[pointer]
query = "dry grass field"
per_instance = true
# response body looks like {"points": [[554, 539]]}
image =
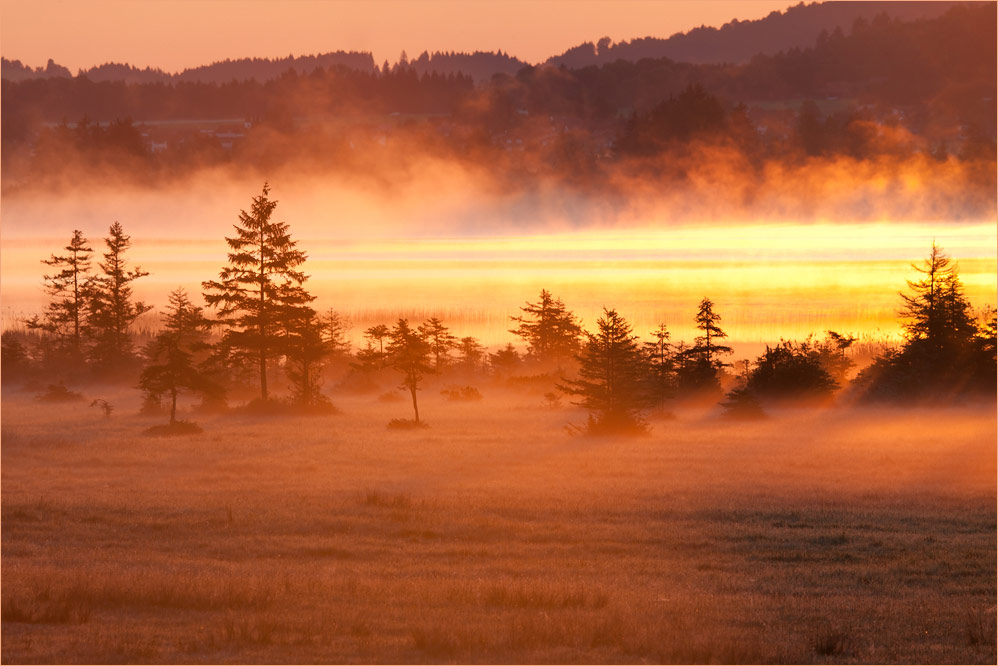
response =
{"points": [[493, 536]]}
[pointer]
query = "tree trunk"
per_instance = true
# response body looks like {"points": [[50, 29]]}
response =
{"points": [[263, 374], [415, 407], [173, 406]]}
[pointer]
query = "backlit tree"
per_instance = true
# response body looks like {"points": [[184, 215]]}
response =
{"points": [[110, 308], [172, 355], [66, 312], [409, 354], [549, 329], [260, 292], [439, 338], [612, 381]]}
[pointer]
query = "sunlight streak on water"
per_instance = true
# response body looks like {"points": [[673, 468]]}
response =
{"points": [[768, 281]]}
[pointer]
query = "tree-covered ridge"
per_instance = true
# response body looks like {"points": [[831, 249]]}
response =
{"points": [[739, 41], [891, 96]]}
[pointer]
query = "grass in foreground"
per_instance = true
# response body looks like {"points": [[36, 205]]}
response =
{"points": [[493, 537]]}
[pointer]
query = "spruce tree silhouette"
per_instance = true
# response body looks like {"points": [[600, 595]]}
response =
{"points": [[549, 329], [698, 370], [612, 382], [305, 350], [65, 313], [260, 292], [409, 353], [946, 355], [110, 309], [173, 367], [439, 338]]}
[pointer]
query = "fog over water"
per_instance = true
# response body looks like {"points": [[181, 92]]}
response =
{"points": [[474, 260]]}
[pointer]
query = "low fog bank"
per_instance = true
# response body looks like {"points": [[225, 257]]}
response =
{"points": [[819, 456], [398, 193]]}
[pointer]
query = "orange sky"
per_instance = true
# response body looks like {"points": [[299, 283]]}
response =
{"points": [[174, 34]]}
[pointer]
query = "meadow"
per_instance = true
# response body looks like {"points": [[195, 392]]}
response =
{"points": [[833, 536]]}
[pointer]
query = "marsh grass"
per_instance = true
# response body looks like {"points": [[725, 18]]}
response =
{"points": [[496, 538]]}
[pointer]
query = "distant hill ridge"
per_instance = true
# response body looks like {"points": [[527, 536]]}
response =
{"points": [[735, 42], [739, 41]]}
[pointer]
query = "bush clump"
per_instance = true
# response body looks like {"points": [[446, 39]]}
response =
{"points": [[462, 394], [175, 429], [406, 424], [58, 393]]}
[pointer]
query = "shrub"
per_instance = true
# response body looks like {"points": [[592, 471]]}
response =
{"points": [[463, 394], [58, 393], [406, 424], [175, 429], [741, 405]]}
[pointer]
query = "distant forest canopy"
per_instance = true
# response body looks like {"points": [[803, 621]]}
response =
{"points": [[735, 42], [887, 94], [739, 41], [480, 66]]}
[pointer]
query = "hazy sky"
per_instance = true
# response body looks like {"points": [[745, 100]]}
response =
{"points": [[173, 34]]}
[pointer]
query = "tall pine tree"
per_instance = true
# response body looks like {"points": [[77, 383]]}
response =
{"points": [[173, 365], [65, 315], [409, 353], [260, 292], [111, 310], [549, 329], [612, 381]]}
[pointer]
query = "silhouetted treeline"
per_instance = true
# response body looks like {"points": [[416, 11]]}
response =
{"points": [[738, 41], [242, 69], [262, 332]]}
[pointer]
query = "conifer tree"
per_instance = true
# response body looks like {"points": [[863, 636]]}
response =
{"points": [[66, 312], [612, 377], [946, 355], [172, 354], [471, 353], [111, 311], [698, 366], [409, 354], [549, 329], [378, 333], [260, 292], [305, 350], [936, 311], [505, 360], [334, 328], [439, 338], [706, 345], [661, 360]]}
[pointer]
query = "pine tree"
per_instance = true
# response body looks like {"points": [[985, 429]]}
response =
{"points": [[111, 311], [706, 345], [305, 350], [612, 372], [661, 361], [549, 329], [260, 293], [471, 354], [409, 354], [172, 354], [946, 355], [698, 366], [937, 311], [66, 312], [439, 338], [505, 360], [378, 333], [334, 335]]}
